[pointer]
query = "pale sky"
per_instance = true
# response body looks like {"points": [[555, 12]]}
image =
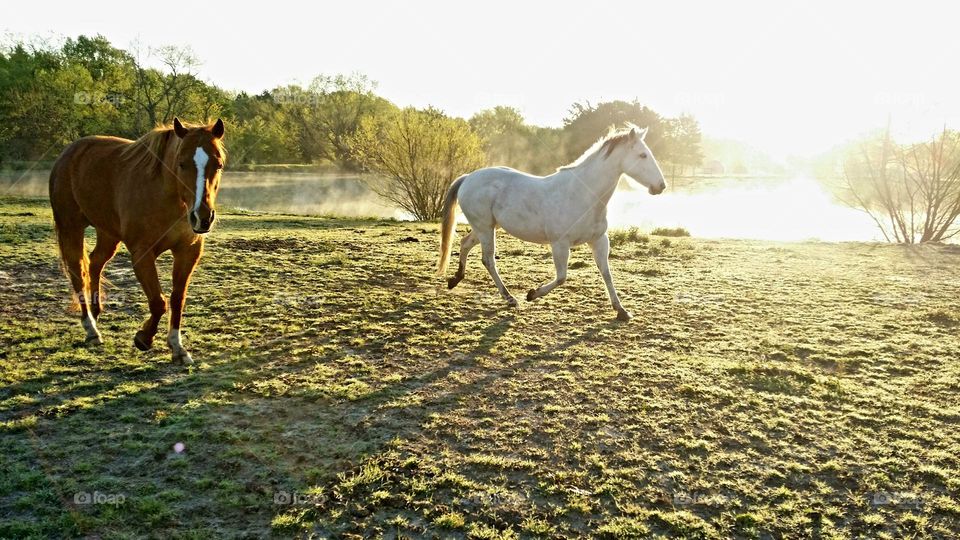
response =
{"points": [[788, 78]]}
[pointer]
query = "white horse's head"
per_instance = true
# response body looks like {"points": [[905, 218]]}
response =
{"points": [[638, 161]]}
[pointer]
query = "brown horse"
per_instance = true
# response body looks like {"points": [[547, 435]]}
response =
{"points": [[153, 194]]}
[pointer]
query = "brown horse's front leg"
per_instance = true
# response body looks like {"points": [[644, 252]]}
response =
{"points": [[145, 267], [184, 261]]}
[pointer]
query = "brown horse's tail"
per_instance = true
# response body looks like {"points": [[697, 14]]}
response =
{"points": [[446, 227], [69, 248], [84, 269]]}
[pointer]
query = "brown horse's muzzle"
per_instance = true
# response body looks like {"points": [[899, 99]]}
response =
{"points": [[202, 224]]}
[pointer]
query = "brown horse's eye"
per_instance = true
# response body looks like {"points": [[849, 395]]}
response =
{"points": [[219, 166]]}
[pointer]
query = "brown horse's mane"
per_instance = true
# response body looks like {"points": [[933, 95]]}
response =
{"points": [[147, 152]]}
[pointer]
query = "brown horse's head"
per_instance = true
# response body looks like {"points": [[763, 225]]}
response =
{"points": [[200, 159]]}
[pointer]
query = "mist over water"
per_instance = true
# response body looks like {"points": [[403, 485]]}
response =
{"points": [[748, 208], [31, 183], [763, 209], [304, 193], [308, 193]]}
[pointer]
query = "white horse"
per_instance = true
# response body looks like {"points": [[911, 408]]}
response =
{"points": [[564, 209]]}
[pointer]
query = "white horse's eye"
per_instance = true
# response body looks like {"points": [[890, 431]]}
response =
{"points": [[643, 155]]}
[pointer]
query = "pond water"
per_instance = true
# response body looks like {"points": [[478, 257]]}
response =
{"points": [[756, 208], [793, 209], [283, 192]]}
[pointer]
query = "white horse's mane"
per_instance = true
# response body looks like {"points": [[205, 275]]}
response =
{"points": [[614, 135]]}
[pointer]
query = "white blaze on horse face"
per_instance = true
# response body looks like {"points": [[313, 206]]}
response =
{"points": [[200, 158]]}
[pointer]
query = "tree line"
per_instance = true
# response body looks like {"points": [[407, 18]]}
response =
{"points": [[51, 94]]}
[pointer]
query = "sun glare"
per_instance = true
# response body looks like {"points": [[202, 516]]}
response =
{"points": [[794, 210]]}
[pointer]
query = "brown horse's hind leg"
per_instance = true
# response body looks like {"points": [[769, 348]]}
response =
{"points": [[145, 267], [184, 261], [74, 257], [105, 249]]}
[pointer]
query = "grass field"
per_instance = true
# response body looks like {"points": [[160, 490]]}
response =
{"points": [[762, 390]]}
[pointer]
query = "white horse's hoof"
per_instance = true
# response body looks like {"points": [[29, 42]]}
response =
{"points": [[623, 315], [512, 302], [183, 357]]}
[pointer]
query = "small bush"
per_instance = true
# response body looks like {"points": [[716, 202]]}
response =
{"points": [[666, 231], [632, 235]]}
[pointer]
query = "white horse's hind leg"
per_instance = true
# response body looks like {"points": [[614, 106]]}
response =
{"points": [[466, 245], [488, 243], [601, 253], [561, 254]]}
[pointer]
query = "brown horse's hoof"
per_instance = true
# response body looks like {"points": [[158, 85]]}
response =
{"points": [[531, 295], [143, 341], [623, 315], [93, 341]]}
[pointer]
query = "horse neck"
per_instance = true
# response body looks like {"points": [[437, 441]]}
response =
{"points": [[169, 164], [598, 176]]}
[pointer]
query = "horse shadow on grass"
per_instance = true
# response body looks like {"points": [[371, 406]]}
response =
{"points": [[245, 445]]}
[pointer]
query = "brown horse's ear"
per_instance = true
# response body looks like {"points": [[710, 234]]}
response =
{"points": [[218, 129], [178, 128]]}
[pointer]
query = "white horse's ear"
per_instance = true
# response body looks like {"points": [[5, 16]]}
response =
{"points": [[641, 132]]}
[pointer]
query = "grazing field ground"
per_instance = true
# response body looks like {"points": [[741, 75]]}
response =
{"points": [[762, 390]]}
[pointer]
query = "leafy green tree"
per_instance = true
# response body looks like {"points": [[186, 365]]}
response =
{"points": [[260, 133], [675, 141], [586, 123], [328, 113], [51, 95], [548, 150], [416, 154], [509, 140], [30, 117], [111, 78], [504, 133], [159, 95], [681, 147]]}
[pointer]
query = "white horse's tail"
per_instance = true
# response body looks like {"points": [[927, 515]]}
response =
{"points": [[446, 227]]}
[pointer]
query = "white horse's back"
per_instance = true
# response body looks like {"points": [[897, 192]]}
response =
{"points": [[508, 198]]}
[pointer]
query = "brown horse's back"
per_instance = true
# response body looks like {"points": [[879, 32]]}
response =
{"points": [[81, 183]]}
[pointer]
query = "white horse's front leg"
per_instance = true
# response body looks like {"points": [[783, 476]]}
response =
{"points": [[561, 254], [601, 254]]}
